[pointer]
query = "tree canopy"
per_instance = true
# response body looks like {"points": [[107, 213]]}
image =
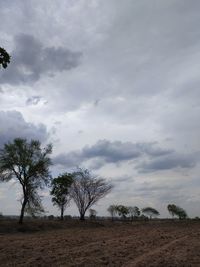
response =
{"points": [[29, 164], [122, 211], [60, 191], [4, 58], [149, 211]]}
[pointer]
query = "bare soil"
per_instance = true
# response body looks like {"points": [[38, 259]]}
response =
{"points": [[149, 244]]}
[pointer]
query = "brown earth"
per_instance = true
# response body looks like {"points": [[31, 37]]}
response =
{"points": [[166, 244]]}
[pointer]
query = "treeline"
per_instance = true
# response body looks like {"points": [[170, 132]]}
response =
{"points": [[134, 213], [28, 163]]}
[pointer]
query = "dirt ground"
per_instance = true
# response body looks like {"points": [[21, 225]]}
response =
{"points": [[166, 244]]}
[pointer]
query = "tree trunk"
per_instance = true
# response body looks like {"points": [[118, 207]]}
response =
{"points": [[62, 213], [82, 217], [21, 218]]}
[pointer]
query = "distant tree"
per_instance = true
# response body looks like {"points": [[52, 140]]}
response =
{"points": [[112, 209], [172, 209], [87, 189], [134, 212], [4, 58], [60, 191], [122, 211], [29, 164], [150, 212], [92, 214], [177, 211]]}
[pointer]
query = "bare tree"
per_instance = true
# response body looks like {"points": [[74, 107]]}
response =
{"points": [[87, 189]]}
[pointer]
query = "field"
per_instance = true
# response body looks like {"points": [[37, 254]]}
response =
{"points": [[101, 244]]}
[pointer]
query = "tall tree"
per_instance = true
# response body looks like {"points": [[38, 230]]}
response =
{"points": [[150, 212], [29, 164], [60, 191], [87, 189], [4, 58]]}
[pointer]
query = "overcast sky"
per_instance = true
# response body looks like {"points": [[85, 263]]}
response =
{"points": [[115, 86]]}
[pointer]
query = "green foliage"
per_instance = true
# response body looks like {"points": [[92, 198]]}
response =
{"points": [[60, 191], [4, 58], [177, 211], [29, 164], [149, 211], [122, 211]]}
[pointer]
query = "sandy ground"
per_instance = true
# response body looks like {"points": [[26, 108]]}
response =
{"points": [[145, 244]]}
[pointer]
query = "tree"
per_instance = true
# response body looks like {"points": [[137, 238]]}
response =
{"points": [[87, 189], [122, 211], [93, 214], [29, 164], [60, 191], [112, 209], [177, 211], [134, 212], [4, 58], [150, 212], [172, 209]]}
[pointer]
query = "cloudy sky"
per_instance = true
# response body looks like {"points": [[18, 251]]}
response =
{"points": [[115, 86]]}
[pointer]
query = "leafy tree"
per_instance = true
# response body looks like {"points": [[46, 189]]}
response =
{"points": [[29, 164], [172, 209], [150, 212], [122, 211], [87, 189], [112, 209], [60, 191], [134, 212], [177, 211], [4, 58]]}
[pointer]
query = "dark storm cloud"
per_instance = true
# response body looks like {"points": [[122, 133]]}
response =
{"points": [[30, 60], [13, 125], [168, 162], [105, 151]]}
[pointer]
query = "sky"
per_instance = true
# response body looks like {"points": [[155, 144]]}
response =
{"points": [[115, 87]]}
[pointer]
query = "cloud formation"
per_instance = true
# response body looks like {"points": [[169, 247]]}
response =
{"points": [[168, 162], [31, 59], [13, 126], [105, 151]]}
